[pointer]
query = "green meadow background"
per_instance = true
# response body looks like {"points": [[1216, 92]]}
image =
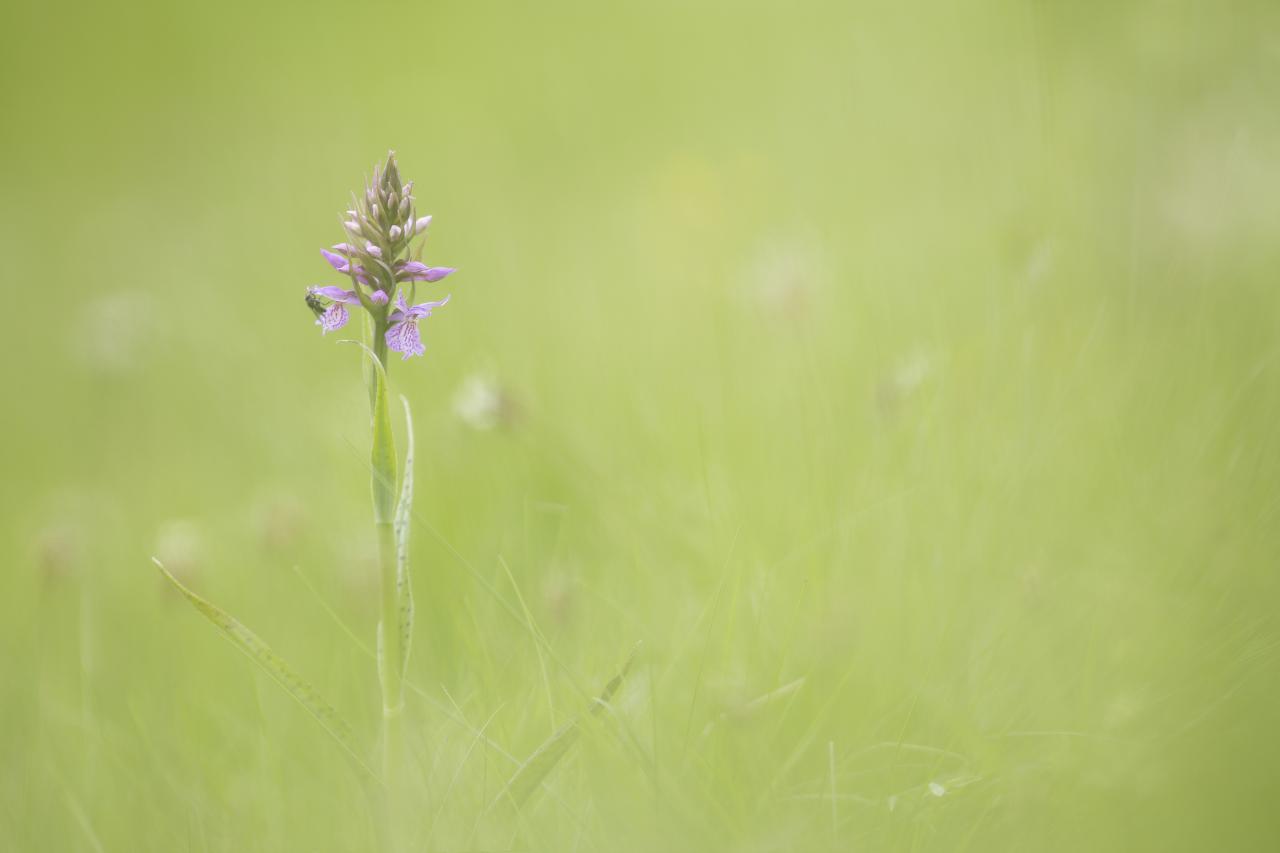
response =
{"points": [[903, 377]]}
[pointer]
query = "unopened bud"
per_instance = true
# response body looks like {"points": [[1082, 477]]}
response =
{"points": [[391, 174]]}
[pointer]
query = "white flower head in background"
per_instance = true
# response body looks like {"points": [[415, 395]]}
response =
{"points": [[904, 380], [180, 546], [114, 331], [785, 276], [483, 404]]}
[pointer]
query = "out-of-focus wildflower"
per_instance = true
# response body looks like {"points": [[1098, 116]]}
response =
{"points": [[114, 330], [785, 277], [280, 519], [59, 550], [482, 404], [378, 259], [180, 547], [904, 381]]}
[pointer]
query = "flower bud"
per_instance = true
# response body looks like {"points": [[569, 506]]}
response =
{"points": [[391, 174]]}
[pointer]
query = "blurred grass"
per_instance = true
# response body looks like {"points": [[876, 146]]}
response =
{"points": [[927, 353]]}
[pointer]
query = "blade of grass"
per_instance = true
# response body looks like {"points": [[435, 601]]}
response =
{"points": [[454, 715], [273, 665], [537, 646], [544, 759]]}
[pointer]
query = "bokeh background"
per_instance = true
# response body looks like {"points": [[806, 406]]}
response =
{"points": [[903, 376]]}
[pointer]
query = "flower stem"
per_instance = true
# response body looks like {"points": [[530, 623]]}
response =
{"points": [[390, 651], [379, 342], [389, 660]]}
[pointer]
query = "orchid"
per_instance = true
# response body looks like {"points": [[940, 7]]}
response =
{"points": [[378, 257], [382, 267]]}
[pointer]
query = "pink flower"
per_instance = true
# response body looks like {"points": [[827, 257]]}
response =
{"points": [[402, 336]]}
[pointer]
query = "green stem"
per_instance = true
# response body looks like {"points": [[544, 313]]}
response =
{"points": [[380, 350], [389, 661], [390, 652], [389, 637]]}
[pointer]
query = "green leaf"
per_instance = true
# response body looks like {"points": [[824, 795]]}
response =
{"points": [[404, 516], [273, 665], [383, 455], [383, 465], [529, 776], [534, 770]]}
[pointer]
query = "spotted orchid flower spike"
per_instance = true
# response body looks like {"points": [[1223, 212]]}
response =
{"points": [[380, 262]]}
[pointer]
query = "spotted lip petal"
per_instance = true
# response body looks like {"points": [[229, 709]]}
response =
{"points": [[403, 335], [334, 318], [403, 338]]}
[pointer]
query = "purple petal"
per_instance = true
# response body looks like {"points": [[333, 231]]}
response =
{"points": [[373, 250], [337, 294], [334, 318], [395, 232], [424, 309], [335, 260], [401, 310], [378, 297], [418, 271], [403, 338], [421, 224]]}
